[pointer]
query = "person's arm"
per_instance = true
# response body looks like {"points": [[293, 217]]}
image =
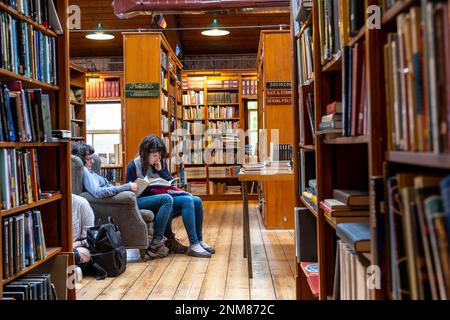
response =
{"points": [[164, 173], [91, 184], [131, 175]]}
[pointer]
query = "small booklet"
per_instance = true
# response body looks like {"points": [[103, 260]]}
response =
{"points": [[143, 184]]}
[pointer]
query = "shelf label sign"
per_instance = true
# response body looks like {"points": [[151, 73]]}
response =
{"points": [[141, 93], [278, 92], [142, 86], [142, 89]]}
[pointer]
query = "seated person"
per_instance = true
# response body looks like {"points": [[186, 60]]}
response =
{"points": [[82, 219], [100, 187], [94, 183], [151, 163]]}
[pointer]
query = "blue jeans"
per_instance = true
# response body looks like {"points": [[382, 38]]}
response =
{"points": [[161, 205], [191, 210]]}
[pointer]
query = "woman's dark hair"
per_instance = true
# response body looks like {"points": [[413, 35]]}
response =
{"points": [[82, 150], [151, 144]]}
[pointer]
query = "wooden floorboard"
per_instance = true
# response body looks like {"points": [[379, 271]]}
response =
{"points": [[192, 281], [285, 239], [282, 275], [216, 274], [261, 286], [223, 276], [237, 284]]}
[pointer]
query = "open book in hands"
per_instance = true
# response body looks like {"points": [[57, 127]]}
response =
{"points": [[145, 183]]}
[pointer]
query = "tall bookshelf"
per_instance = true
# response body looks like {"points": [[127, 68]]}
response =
{"points": [[149, 60], [362, 161], [213, 100], [103, 88], [54, 164], [275, 67], [78, 102]]}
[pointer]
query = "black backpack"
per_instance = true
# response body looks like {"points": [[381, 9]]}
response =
{"points": [[108, 252]]}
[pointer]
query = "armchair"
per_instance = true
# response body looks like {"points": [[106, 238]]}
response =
{"points": [[135, 225]]}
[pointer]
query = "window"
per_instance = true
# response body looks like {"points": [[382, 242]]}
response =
{"points": [[252, 116], [103, 124]]}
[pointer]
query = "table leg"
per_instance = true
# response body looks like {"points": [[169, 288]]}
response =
{"points": [[246, 222], [244, 225]]}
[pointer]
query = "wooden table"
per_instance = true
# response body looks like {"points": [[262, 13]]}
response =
{"points": [[263, 175]]}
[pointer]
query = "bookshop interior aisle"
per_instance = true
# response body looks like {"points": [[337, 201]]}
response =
{"points": [[330, 117], [224, 276]]}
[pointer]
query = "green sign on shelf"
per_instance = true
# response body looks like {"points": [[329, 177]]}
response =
{"points": [[141, 93], [142, 86]]}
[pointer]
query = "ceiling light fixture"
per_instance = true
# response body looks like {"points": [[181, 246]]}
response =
{"points": [[99, 34], [215, 29]]}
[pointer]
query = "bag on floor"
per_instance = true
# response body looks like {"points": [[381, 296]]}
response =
{"points": [[108, 252]]}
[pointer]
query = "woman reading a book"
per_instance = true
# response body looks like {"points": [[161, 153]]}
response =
{"points": [[151, 164], [100, 187]]}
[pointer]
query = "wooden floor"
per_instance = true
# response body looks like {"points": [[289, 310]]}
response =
{"points": [[224, 276]]}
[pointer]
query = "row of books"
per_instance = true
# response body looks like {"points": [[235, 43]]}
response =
{"points": [[338, 20], [196, 112], [195, 172], [75, 129], [112, 174], [192, 97], [223, 126], [38, 10], [164, 60], [192, 83], [305, 62], [19, 182], [222, 97], [164, 80], [23, 242], [417, 73], [25, 114], [280, 152], [250, 87], [197, 128], [418, 209], [164, 124], [223, 172], [193, 157], [102, 88], [350, 282], [223, 112], [218, 156], [354, 95], [222, 84], [164, 103], [198, 188], [27, 51], [31, 287]]}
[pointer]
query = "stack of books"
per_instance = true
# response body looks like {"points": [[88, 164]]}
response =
{"points": [[310, 193], [333, 118], [253, 167], [346, 205]]}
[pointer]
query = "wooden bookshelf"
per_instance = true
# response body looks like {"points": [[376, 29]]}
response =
{"points": [[53, 157], [335, 154], [143, 55], [225, 75], [78, 106], [351, 162], [275, 65], [25, 207]]}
